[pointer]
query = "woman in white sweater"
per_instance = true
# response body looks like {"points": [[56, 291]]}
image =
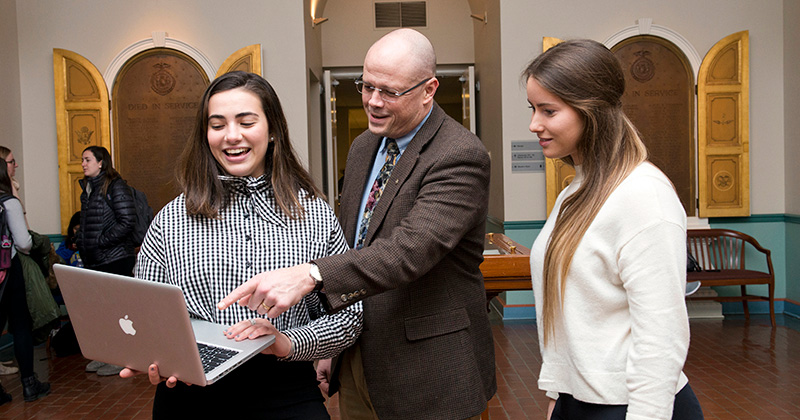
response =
{"points": [[608, 267]]}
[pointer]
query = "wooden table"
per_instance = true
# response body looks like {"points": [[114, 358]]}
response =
{"points": [[506, 265]]}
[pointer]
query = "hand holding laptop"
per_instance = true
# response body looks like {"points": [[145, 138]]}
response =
{"points": [[246, 330], [152, 374]]}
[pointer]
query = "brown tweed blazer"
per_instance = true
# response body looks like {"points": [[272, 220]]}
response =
{"points": [[427, 345]]}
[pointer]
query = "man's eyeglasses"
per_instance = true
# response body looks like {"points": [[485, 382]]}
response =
{"points": [[11, 162], [387, 95]]}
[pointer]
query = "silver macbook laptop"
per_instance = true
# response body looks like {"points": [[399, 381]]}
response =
{"points": [[134, 323]]}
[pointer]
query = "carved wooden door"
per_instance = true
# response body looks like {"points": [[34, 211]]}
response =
{"points": [[82, 120], [723, 125]]}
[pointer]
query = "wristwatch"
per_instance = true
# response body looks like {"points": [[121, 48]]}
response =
{"points": [[314, 273]]}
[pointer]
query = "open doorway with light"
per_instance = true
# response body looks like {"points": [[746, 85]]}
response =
{"points": [[345, 118]]}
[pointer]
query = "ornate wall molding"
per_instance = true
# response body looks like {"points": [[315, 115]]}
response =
{"points": [[158, 40], [645, 26]]}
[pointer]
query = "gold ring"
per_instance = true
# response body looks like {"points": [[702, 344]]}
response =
{"points": [[265, 306]]}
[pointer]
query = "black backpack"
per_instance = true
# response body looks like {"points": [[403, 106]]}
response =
{"points": [[144, 215], [64, 343]]}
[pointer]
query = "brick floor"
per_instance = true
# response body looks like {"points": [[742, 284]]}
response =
{"points": [[739, 370]]}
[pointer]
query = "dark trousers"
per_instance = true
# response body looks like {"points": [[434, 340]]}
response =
{"points": [[568, 408], [262, 388], [14, 307], [122, 266]]}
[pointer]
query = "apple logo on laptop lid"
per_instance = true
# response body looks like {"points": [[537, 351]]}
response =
{"points": [[127, 325]]}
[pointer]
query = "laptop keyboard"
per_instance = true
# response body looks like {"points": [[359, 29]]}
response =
{"points": [[212, 356]]}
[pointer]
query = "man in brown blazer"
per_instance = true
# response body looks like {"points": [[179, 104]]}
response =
{"points": [[426, 351]]}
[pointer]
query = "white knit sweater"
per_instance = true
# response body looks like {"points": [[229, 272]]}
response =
{"points": [[623, 333]]}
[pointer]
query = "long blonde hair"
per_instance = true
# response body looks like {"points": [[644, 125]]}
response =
{"points": [[588, 77]]}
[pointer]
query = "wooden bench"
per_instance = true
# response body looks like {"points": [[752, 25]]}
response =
{"points": [[721, 255]]}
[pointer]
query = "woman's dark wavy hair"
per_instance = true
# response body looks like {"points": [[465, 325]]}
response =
{"points": [[73, 221], [5, 181], [198, 171], [101, 154]]}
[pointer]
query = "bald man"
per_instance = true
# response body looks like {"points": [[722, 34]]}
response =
{"points": [[414, 206]]}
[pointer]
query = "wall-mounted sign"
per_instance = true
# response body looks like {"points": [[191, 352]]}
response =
{"points": [[526, 156]]}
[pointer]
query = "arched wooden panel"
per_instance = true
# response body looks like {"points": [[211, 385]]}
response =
{"points": [[246, 59], [82, 120], [723, 124]]}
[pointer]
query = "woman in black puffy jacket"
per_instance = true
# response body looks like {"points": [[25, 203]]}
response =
{"points": [[108, 215]]}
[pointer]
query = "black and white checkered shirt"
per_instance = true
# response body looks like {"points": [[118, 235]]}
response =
{"points": [[208, 258]]}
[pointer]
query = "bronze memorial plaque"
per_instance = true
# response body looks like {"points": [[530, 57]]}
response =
{"points": [[155, 101], [659, 99]]}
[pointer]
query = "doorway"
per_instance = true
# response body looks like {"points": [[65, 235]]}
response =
{"points": [[346, 118]]}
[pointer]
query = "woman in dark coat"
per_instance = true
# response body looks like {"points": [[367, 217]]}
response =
{"points": [[108, 216]]}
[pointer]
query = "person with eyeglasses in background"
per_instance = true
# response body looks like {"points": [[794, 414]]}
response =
{"points": [[11, 168], [12, 165], [13, 295], [8, 156], [413, 207]]}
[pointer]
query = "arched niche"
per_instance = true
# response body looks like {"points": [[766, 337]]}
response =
{"points": [[158, 40], [154, 88], [645, 26]]}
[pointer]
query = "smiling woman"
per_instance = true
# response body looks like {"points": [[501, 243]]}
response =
{"points": [[608, 265], [247, 206], [238, 132], [245, 134], [558, 125]]}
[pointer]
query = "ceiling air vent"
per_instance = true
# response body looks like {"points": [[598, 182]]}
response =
{"points": [[400, 14]]}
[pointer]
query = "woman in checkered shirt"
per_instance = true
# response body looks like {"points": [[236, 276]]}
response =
{"points": [[247, 206]]}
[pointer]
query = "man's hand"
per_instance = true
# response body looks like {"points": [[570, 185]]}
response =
{"points": [[272, 292], [324, 375]]}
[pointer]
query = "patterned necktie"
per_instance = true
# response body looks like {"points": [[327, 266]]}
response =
{"points": [[392, 152]]}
